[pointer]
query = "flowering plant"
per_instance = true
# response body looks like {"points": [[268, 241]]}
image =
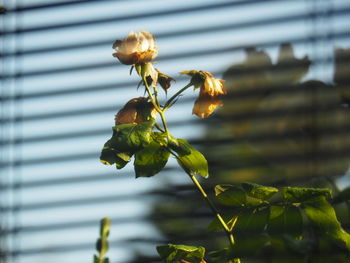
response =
{"points": [[266, 211]]}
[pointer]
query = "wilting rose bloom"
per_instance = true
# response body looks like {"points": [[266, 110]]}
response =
{"points": [[136, 48], [205, 105], [212, 86], [135, 111], [210, 89]]}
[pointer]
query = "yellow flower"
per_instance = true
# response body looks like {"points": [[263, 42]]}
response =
{"points": [[135, 111], [205, 105], [210, 89], [212, 86], [136, 48]]}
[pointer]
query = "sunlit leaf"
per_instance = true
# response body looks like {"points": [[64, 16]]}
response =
{"points": [[322, 215], [301, 194], [179, 146], [160, 138], [150, 160], [111, 156], [180, 253], [192, 163], [125, 141], [135, 136], [230, 195], [259, 191]]}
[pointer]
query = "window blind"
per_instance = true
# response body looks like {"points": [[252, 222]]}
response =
{"points": [[61, 88]]}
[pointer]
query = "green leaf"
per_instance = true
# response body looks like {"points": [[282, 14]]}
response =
{"points": [[105, 224], [253, 202], [106, 260], [193, 163], [251, 222], [230, 195], [160, 138], [342, 196], [126, 139], [259, 191], [285, 220], [178, 253], [110, 156], [235, 196], [179, 146], [301, 194], [96, 260], [150, 160], [322, 215], [129, 137]]}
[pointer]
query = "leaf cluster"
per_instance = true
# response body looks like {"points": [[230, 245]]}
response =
{"points": [[285, 220], [181, 254], [151, 150]]}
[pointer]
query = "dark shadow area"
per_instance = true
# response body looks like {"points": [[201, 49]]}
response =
{"points": [[277, 127]]}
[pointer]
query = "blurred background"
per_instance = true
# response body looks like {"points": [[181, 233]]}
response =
{"points": [[285, 120]]}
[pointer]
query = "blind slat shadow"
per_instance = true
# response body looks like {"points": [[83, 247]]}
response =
{"points": [[186, 32]]}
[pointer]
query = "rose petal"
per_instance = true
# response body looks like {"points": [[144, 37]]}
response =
{"points": [[205, 105]]}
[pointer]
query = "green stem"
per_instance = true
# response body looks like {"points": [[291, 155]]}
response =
{"points": [[158, 127], [156, 96], [155, 104], [213, 209], [150, 95], [168, 103], [166, 129]]}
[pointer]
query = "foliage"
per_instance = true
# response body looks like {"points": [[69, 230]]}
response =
{"points": [[255, 218], [278, 215], [180, 253]]}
